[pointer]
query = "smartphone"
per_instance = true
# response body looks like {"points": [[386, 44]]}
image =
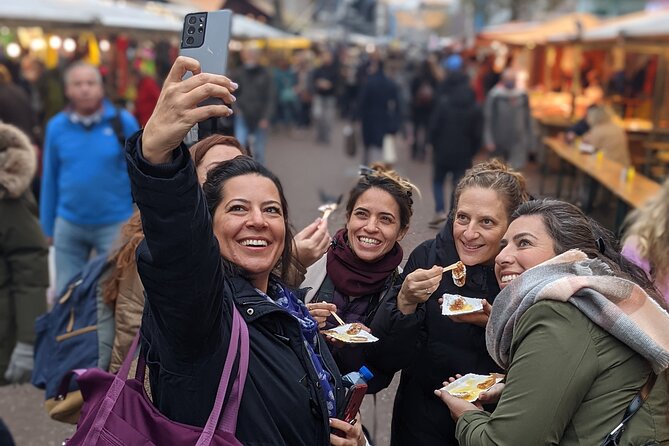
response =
{"points": [[354, 398], [205, 37]]}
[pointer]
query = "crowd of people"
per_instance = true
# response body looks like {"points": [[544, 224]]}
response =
{"points": [[575, 322]]}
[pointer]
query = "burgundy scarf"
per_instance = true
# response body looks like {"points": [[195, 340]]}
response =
{"points": [[354, 277]]}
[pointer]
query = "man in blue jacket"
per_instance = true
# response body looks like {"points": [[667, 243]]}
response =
{"points": [[85, 195]]}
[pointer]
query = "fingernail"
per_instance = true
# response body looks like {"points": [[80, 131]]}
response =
{"points": [[437, 392], [234, 99], [317, 220], [235, 85], [330, 420]]}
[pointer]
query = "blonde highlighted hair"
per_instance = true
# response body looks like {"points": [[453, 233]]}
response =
{"points": [[649, 225], [498, 176]]}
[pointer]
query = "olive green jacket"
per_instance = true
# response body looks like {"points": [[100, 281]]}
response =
{"points": [[569, 383]]}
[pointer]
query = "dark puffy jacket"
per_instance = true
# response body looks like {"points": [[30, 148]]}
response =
{"points": [[187, 319], [456, 126], [429, 347], [362, 309]]}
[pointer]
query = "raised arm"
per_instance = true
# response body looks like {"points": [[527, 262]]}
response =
{"points": [[179, 261]]}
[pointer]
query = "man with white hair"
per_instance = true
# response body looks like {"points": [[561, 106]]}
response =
{"points": [[85, 194]]}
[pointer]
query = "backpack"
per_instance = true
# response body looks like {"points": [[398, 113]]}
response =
{"points": [[67, 336], [424, 95]]}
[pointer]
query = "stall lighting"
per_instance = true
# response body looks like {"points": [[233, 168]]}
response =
{"points": [[370, 48], [69, 45], [235, 45], [13, 50], [55, 42], [38, 44], [105, 45]]}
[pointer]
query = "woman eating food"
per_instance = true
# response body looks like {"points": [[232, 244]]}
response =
{"points": [[580, 333]]}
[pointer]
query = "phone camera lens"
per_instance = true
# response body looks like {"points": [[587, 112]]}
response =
{"points": [[191, 30], [192, 20], [200, 30], [190, 40]]}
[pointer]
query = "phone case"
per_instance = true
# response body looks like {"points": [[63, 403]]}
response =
{"points": [[213, 52], [354, 400]]}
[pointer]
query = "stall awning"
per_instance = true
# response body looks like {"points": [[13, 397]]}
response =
{"points": [[119, 15], [537, 33]]}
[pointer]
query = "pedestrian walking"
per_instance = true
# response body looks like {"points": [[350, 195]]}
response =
{"points": [[424, 88], [85, 195], [24, 275], [508, 122], [324, 109], [455, 133], [255, 103], [379, 111]]}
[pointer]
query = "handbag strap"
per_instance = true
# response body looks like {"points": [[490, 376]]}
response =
{"points": [[614, 436], [239, 330]]}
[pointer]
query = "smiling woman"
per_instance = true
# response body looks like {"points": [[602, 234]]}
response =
{"points": [[209, 254], [579, 330], [361, 266], [414, 336]]}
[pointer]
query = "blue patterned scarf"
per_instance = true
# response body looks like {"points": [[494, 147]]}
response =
{"points": [[287, 300]]}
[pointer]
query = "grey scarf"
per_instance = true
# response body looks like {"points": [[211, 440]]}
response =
{"points": [[617, 305]]}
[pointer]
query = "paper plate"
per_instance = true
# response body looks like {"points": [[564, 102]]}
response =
{"points": [[470, 305], [470, 386], [341, 333]]}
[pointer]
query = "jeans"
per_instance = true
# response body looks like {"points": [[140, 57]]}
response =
{"points": [[74, 244], [325, 112], [259, 138], [438, 188]]}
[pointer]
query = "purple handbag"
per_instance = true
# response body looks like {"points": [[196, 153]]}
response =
{"points": [[117, 411]]}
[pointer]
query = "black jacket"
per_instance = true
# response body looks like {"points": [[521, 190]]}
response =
{"points": [[456, 126], [429, 347], [187, 319], [351, 357]]}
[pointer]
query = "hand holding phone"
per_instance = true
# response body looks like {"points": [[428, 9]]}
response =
{"points": [[177, 108]]}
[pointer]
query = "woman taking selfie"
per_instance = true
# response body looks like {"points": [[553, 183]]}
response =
{"points": [[414, 336], [578, 333], [361, 265], [205, 252]]}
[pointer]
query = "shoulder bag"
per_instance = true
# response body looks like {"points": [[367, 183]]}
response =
{"points": [[117, 411], [613, 438]]}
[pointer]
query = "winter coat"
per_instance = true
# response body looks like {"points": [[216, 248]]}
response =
{"points": [[15, 109], [24, 275], [569, 383], [361, 309], [128, 309], [188, 316], [456, 129], [256, 99], [508, 124], [428, 347], [379, 114]]}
